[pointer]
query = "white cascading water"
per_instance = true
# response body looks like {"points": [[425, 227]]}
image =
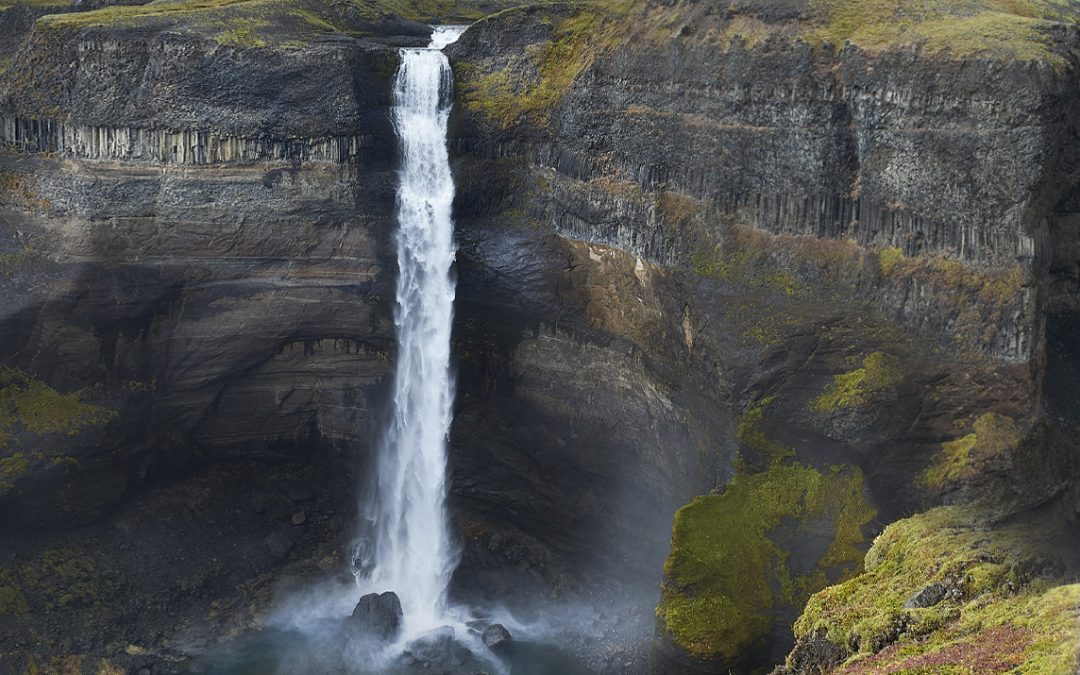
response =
{"points": [[413, 554]]}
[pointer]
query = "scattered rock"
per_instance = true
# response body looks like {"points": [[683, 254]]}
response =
{"points": [[812, 654], [376, 617], [496, 637], [279, 543], [299, 518], [439, 648], [258, 504], [297, 491], [927, 597]]}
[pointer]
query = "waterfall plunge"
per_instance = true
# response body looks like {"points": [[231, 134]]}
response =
{"points": [[413, 555]]}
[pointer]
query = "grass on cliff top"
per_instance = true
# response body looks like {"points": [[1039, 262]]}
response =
{"points": [[260, 23], [725, 574], [8, 4], [533, 83], [1005, 612], [960, 28]]}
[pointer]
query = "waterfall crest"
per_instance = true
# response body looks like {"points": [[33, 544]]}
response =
{"points": [[413, 554]]}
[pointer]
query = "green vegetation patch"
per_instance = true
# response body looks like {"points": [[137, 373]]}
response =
{"points": [[752, 434], [12, 602], [1005, 29], [879, 372], [41, 409], [725, 573], [995, 614], [66, 578], [963, 459], [261, 23], [37, 408], [889, 257], [531, 84]]}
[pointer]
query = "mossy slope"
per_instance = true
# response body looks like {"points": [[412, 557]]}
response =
{"points": [[726, 572], [1005, 603], [280, 23]]}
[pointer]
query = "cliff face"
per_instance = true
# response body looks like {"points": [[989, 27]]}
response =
{"points": [[701, 249], [869, 242], [945, 159]]}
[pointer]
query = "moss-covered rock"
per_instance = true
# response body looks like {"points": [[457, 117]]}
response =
{"points": [[726, 572], [39, 409], [963, 460], [855, 388], [1005, 605], [29, 411]]}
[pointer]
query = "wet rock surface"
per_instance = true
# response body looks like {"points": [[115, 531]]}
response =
{"points": [[496, 637], [376, 617]]}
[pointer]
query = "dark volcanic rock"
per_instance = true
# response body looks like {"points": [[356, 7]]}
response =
{"points": [[376, 617], [440, 650], [927, 597], [279, 544], [496, 637]]}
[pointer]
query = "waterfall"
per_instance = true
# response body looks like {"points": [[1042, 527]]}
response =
{"points": [[413, 554]]}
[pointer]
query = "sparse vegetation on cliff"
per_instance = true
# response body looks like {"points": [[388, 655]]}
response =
{"points": [[962, 459], [40, 409], [879, 371], [33, 406], [533, 83]]}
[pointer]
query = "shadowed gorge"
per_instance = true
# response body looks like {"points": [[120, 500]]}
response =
{"points": [[758, 352]]}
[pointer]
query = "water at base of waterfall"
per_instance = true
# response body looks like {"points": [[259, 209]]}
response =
{"points": [[287, 652]]}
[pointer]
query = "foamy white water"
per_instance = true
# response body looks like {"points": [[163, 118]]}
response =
{"points": [[413, 552]]}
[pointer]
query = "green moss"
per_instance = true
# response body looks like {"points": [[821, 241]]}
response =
{"points": [[1001, 620], [889, 258], [963, 459], [38, 409], [261, 23], [725, 574], [879, 371], [1006, 29], [42, 409], [11, 468], [8, 4], [752, 435], [66, 577], [12, 602], [537, 80]]}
